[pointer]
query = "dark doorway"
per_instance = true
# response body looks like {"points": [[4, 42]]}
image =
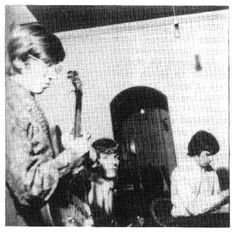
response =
{"points": [[141, 124]]}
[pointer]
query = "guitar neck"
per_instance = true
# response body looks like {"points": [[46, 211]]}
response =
{"points": [[78, 110]]}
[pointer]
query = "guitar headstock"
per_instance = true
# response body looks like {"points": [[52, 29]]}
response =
{"points": [[73, 75]]}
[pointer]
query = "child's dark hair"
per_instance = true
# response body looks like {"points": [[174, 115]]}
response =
{"points": [[106, 146], [202, 141]]}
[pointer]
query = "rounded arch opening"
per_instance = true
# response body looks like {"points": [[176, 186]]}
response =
{"points": [[132, 100]]}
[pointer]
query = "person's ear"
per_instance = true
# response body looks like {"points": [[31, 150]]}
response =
{"points": [[19, 64], [197, 159]]}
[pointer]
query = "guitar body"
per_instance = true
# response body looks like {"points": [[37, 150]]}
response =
{"points": [[67, 206]]}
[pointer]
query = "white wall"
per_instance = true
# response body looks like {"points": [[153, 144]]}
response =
{"points": [[17, 14], [113, 58]]}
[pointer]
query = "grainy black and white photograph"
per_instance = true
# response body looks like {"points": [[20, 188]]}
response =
{"points": [[117, 116]]}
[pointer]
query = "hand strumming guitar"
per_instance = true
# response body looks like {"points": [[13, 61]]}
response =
{"points": [[80, 144]]}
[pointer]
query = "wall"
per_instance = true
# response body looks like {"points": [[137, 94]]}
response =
{"points": [[113, 58], [17, 14]]}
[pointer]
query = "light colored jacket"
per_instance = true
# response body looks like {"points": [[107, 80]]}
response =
{"points": [[32, 170], [194, 191]]}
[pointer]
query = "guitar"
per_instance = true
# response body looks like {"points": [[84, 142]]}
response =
{"points": [[73, 76], [65, 208]]}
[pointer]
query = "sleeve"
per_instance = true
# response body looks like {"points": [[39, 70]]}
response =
{"points": [[31, 178], [185, 192]]}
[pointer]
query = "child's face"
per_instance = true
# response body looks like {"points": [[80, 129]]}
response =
{"points": [[109, 163], [205, 159], [37, 75]]}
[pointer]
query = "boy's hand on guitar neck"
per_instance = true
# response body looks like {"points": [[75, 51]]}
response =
{"points": [[79, 145]]}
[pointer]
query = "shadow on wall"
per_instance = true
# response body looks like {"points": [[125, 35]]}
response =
{"points": [[223, 175]]}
